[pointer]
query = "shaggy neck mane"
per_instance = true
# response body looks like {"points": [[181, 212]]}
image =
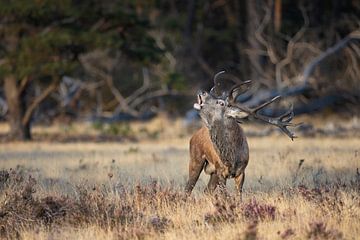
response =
{"points": [[226, 136]]}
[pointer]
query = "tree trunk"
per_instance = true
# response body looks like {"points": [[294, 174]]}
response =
{"points": [[253, 22], [191, 10], [277, 15], [16, 104]]}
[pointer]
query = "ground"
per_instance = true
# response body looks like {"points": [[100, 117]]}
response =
{"points": [[303, 189]]}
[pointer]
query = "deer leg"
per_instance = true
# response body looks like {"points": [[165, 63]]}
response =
{"points": [[222, 184], [239, 182], [213, 183], [195, 167]]}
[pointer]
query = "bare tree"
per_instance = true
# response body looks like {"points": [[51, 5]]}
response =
{"points": [[131, 104], [286, 71]]}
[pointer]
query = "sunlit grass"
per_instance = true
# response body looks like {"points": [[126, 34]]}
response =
{"points": [[317, 198]]}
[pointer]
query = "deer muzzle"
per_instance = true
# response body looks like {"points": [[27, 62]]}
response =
{"points": [[200, 102]]}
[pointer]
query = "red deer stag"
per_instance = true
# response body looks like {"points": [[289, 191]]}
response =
{"points": [[220, 147]]}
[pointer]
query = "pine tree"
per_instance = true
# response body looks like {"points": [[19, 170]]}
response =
{"points": [[41, 40]]}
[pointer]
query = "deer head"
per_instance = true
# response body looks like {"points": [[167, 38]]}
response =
{"points": [[220, 105], [213, 109]]}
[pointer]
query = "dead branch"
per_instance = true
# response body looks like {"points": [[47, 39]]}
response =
{"points": [[290, 49], [354, 66], [24, 83], [30, 110], [307, 46], [130, 104], [119, 97], [143, 88], [97, 72], [265, 95], [70, 90], [355, 48], [259, 36], [355, 35], [155, 94]]}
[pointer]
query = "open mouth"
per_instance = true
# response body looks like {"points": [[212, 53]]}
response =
{"points": [[199, 104]]}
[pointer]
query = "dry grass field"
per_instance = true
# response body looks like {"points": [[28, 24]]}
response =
{"points": [[305, 189]]}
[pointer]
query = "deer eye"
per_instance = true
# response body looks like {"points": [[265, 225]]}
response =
{"points": [[221, 103]]}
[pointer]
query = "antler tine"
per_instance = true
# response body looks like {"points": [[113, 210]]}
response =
{"points": [[288, 115], [266, 103], [216, 83], [283, 121], [287, 132], [217, 75], [231, 97]]}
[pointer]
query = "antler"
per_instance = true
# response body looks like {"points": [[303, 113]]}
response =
{"points": [[235, 88], [215, 90], [221, 88], [283, 121]]}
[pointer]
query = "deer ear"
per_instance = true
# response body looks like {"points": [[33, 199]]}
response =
{"points": [[235, 113]]}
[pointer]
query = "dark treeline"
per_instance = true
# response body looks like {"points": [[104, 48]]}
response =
{"points": [[130, 59]]}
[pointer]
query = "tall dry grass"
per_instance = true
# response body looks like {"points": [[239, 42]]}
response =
{"points": [[306, 189]]}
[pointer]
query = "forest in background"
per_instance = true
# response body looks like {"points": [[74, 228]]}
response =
{"points": [[130, 59]]}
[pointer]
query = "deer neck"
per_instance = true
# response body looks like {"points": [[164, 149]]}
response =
{"points": [[227, 137]]}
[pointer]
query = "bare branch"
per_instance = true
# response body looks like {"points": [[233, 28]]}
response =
{"points": [[143, 88], [24, 83], [307, 46], [355, 48], [354, 67], [258, 35], [30, 110], [119, 97], [110, 83], [155, 94], [290, 48], [131, 103], [338, 46]]}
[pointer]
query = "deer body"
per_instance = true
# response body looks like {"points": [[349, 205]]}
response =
{"points": [[220, 148]]}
